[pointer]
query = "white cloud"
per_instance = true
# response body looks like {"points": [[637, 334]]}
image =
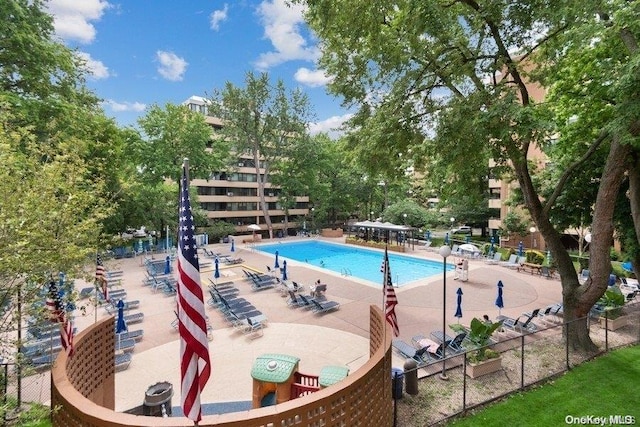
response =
{"points": [[218, 16], [72, 18], [96, 68], [119, 107], [330, 126], [172, 67], [313, 78], [282, 25]]}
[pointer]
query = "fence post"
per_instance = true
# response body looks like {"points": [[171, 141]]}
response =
{"points": [[521, 361]]}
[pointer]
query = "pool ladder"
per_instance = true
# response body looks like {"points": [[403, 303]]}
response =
{"points": [[345, 272]]}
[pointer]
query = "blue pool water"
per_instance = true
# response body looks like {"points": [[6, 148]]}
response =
{"points": [[354, 261]]}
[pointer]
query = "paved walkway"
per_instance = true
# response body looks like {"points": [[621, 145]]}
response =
{"points": [[336, 338]]}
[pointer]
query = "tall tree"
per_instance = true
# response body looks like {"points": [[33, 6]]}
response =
{"points": [[456, 76], [169, 135], [262, 120]]}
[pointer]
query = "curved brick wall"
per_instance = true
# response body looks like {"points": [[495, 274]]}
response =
{"points": [[82, 390]]}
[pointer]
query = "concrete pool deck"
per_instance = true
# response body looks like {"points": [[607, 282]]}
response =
{"points": [[336, 338]]}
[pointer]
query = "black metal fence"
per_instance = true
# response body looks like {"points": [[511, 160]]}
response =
{"points": [[25, 392], [526, 359]]}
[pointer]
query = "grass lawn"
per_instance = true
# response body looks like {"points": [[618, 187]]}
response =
{"points": [[606, 386]]}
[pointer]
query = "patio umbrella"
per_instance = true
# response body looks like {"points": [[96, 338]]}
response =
{"points": [[468, 247], [121, 324], [446, 238], [276, 264], [284, 270], [427, 235], [459, 306], [167, 265], [467, 239], [499, 301], [233, 246], [520, 249], [216, 272], [254, 228], [491, 248]]}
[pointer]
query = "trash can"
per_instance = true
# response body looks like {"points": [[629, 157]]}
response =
{"points": [[157, 400], [397, 382]]}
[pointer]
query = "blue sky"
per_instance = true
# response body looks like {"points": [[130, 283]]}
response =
{"points": [[145, 52]]}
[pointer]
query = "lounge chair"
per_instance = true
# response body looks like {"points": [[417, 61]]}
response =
{"points": [[584, 275], [263, 284], [86, 292], [515, 324], [125, 345], [132, 335], [495, 259], [122, 361], [454, 344], [307, 302], [410, 352], [133, 318], [233, 261], [511, 261], [324, 306]]}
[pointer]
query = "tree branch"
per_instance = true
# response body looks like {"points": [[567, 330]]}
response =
{"points": [[571, 168]]}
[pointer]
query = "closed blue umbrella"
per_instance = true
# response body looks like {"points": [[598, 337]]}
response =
{"points": [[491, 248], [520, 249], [167, 265], [121, 324], [499, 300], [427, 235], [446, 238], [233, 246], [459, 306], [467, 239], [276, 264], [216, 272], [284, 270]]}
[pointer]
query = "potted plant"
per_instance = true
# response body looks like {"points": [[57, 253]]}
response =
{"points": [[611, 304], [482, 360]]}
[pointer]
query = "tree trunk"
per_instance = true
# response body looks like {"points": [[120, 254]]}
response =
{"points": [[260, 179], [634, 200]]}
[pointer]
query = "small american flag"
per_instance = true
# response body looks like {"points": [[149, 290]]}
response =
{"points": [[57, 314], [195, 366], [390, 300], [101, 277]]}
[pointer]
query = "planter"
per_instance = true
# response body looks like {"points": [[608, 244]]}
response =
{"points": [[613, 324], [485, 367]]}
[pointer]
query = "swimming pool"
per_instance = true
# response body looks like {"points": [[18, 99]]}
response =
{"points": [[354, 261]]}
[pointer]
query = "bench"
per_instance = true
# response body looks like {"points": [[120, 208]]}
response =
{"points": [[532, 268]]}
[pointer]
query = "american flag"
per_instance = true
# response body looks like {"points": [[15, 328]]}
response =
{"points": [[390, 300], [57, 314], [195, 366], [101, 277]]}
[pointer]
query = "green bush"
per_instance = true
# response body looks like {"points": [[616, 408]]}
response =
{"points": [[534, 256]]}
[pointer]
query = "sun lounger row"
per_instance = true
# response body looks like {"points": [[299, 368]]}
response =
{"points": [[261, 282], [240, 313], [112, 306]]}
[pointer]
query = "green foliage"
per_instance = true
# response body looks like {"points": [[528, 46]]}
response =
{"points": [[534, 256], [416, 215], [171, 134], [479, 335], [612, 302], [513, 224], [219, 229]]}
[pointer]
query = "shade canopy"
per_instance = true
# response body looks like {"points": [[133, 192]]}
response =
{"points": [[254, 227]]}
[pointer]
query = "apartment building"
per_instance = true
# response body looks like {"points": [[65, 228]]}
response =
{"points": [[500, 190], [232, 195]]}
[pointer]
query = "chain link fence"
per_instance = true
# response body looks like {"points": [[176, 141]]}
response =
{"points": [[526, 359]]}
